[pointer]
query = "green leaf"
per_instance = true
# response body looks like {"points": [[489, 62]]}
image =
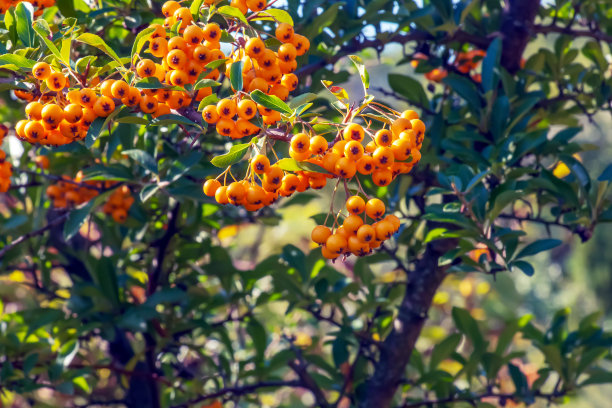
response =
{"points": [[140, 41], [236, 75], [598, 376], [98, 126], [363, 72], [538, 246], [278, 15], [149, 83], [489, 63], [66, 48], [340, 352], [232, 12], [209, 100], [258, 335], [67, 353], [606, 175], [195, 9], [290, 164], [466, 89], [98, 42], [524, 266], [41, 27], [17, 60], [271, 102], [519, 379], [148, 192], [410, 88], [172, 119], [295, 258], [443, 350], [578, 170], [23, 16], [468, 326], [76, 218], [235, 154], [301, 99], [142, 157], [205, 83]]}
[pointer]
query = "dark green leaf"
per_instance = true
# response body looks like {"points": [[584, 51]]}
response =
{"points": [[76, 218], [271, 102], [142, 157], [538, 246], [235, 154], [236, 75]]}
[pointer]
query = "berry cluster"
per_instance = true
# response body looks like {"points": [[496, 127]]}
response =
{"points": [[356, 236], [39, 5], [6, 171], [264, 70], [68, 193], [464, 62], [119, 204]]}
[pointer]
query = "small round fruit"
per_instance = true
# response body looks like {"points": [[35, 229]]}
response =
{"points": [[210, 187], [320, 233], [355, 205], [375, 208]]}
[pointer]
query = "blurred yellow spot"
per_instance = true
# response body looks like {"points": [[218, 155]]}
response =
{"points": [[17, 276], [137, 274], [561, 170], [302, 340], [441, 298], [228, 232], [450, 366], [268, 400], [392, 276], [434, 332], [63, 293], [104, 373], [376, 337], [478, 313], [466, 287], [483, 288]]}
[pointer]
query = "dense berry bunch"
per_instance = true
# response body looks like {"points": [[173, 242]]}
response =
{"points": [[119, 204], [464, 62], [39, 5], [6, 171], [361, 231], [68, 192]]}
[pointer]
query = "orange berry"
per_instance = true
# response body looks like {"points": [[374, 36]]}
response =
{"points": [[255, 47], [353, 150], [383, 157], [382, 177], [41, 71], [290, 81], [419, 128], [401, 149], [355, 205], [384, 230], [52, 115], [240, 5], [394, 221], [177, 43], [170, 7], [120, 89], [336, 243], [221, 195], [319, 234], [352, 223], [176, 59], [148, 104], [375, 208], [236, 192], [56, 81], [88, 98], [247, 109], [284, 32], [345, 167], [256, 5], [301, 44], [225, 127], [366, 233], [383, 137], [73, 113], [353, 131], [42, 162], [34, 131], [400, 125], [300, 143], [274, 176], [33, 112], [193, 34], [260, 164], [210, 114], [409, 114], [318, 145], [210, 187], [328, 254], [287, 52], [104, 106], [358, 247], [183, 14], [145, 68], [226, 108], [158, 47], [212, 32]]}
